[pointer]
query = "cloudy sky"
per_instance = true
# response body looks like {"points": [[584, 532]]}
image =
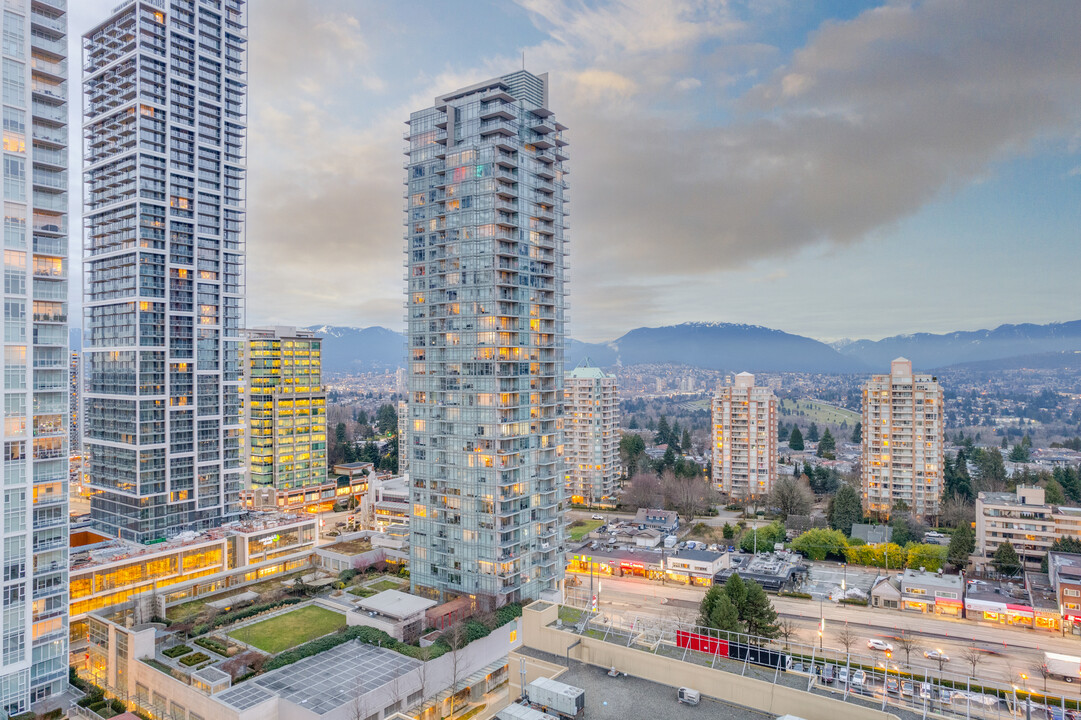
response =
{"points": [[840, 169]]}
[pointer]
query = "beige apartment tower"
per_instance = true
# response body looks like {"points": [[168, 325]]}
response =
{"points": [[591, 434], [902, 442], [745, 438]]}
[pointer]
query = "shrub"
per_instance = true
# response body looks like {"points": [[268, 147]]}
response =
{"points": [[854, 601], [95, 696], [177, 651], [118, 706], [347, 575], [506, 614], [242, 614], [214, 645], [194, 659], [801, 595]]}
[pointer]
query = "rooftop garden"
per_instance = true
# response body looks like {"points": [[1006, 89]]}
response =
{"points": [[290, 629]]}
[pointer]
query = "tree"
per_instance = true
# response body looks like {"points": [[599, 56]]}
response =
{"points": [[758, 612], [1064, 545], [664, 432], [1053, 493], [827, 446], [1019, 454], [857, 433], [633, 424], [845, 509], [962, 544], [990, 471], [1006, 561], [957, 511], [908, 644], [644, 491], [973, 656], [925, 555], [685, 442], [818, 543], [386, 419], [812, 433], [766, 537], [847, 637], [728, 531], [688, 495], [786, 630], [782, 432], [795, 440], [790, 497], [906, 527], [718, 611], [632, 449], [456, 638], [1040, 670]]}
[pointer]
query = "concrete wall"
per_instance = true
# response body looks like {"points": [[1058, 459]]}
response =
{"points": [[729, 687]]}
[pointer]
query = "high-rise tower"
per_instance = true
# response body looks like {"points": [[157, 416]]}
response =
{"points": [[164, 130], [485, 238], [745, 439], [591, 431], [34, 474], [902, 442]]}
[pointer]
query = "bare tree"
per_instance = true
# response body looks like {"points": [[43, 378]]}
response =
{"points": [[644, 491], [787, 630], [791, 496], [1040, 670], [847, 637], [956, 511], [424, 655], [457, 640], [688, 495], [908, 644], [973, 656]]}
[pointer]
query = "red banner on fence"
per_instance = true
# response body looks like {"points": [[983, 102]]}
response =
{"points": [[701, 643]]}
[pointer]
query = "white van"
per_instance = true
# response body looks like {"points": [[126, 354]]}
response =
{"points": [[688, 696]]}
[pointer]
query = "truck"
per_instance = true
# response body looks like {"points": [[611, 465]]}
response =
{"points": [[556, 698], [1063, 667]]}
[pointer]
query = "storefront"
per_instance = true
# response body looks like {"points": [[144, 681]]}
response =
{"points": [[988, 611], [1019, 615], [948, 607]]}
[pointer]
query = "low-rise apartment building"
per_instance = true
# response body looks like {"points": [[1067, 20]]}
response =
{"points": [[1024, 519]]}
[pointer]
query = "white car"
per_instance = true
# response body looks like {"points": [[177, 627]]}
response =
{"points": [[598, 517], [933, 534], [858, 678], [876, 644], [936, 655]]}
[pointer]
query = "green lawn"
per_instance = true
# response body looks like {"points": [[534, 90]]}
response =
{"points": [[817, 412], [291, 629], [580, 528], [386, 584]]}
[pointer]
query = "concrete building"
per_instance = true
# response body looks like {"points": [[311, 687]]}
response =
{"points": [[110, 571], [164, 128], [1024, 519], [903, 424], [398, 614], [33, 644], [485, 258], [1064, 574], [745, 439], [695, 567], [591, 432], [932, 592], [287, 415], [75, 440]]}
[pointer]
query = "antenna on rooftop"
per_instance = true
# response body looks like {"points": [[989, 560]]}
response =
{"points": [[523, 59]]}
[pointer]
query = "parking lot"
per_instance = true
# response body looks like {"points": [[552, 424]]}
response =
{"points": [[824, 579]]}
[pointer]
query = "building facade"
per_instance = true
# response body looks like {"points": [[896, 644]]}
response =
{"points": [[286, 403], [745, 438], [903, 425], [485, 237], [164, 124], [1024, 519], [75, 439], [591, 432], [34, 474]]}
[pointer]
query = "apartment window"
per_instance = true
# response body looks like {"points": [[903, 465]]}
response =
{"points": [[1070, 592], [14, 83], [14, 178]]}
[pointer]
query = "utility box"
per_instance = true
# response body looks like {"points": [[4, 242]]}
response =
{"points": [[557, 698]]}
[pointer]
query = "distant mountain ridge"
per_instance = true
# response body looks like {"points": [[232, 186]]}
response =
{"points": [[737, 347]]}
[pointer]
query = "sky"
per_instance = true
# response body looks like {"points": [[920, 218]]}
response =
{"points": [[832, 169]]}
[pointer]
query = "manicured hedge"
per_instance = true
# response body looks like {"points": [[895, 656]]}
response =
{"points": [[194, 659], [214, 645], [175, 652], [241, 614]]}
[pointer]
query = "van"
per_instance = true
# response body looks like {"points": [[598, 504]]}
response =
{"points": [[687, 696]]}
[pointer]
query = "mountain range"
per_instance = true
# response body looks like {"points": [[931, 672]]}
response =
{"points": [[734, 347]]}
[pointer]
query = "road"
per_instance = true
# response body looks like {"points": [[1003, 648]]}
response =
{"points": [[1007, 653]]}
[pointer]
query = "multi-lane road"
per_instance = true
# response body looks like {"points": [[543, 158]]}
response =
{"points": [[1008, 655]]}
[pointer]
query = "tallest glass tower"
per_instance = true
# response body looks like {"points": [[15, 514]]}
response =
{"points": [[485, 239], [34, 474], [164, 130]]}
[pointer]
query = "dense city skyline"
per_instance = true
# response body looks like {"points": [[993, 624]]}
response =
{"points": [[779, 153]]}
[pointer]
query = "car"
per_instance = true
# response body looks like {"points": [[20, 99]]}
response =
{"points": [[945, 696], [713, 548], [829, 674], [598, 517], [842, 675], [933, 534], [936, 655], [892, 686], [876, 644], [906, 688], [925, 691], [858, 678]]}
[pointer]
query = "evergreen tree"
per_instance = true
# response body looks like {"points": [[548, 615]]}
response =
{"points": [[857, 433], [827, 446], [758, 613], [725, 616], [1019, 453], [387, 419], [962, 544], [812, 433], [339, 433], [795, 440], [782, 432], [1006, 561], [845, 509], [633, 425], [1004, 443], [368, 453], [736, 590], [1053, 493], [685, 442], [664, 432]]}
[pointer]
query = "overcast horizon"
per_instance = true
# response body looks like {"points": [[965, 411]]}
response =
{"points": [[836, 170]]}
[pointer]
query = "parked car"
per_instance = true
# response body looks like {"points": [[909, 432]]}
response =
{"points": [[936, 655], [598, 517], [829, 674], [858, 678], [876, 644], [892, 686], [933, 534], [842, 675], [907, 688], [925, 691], [945, 696]]}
